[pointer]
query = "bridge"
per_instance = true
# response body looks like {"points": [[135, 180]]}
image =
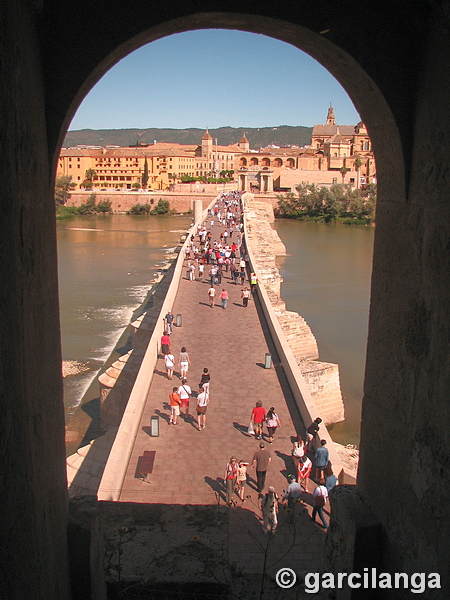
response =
{"points": [[185, 466]]}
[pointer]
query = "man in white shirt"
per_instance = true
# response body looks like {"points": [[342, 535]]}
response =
{"points": [[211, 294], [202, 405], [184, 392]]}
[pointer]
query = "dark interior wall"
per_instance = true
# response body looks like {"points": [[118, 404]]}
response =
{"points": [[405, 442], [33, 555]]}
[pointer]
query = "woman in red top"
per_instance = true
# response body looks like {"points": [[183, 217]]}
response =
{"points": [[165, 344], [258, 415]]}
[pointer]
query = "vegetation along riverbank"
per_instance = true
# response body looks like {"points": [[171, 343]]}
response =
{"points": [[338, 203]]}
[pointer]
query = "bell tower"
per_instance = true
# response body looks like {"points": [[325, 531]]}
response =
{"points": [[330, 116]]}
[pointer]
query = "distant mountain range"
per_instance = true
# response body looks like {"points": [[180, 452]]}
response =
{"points": [[260, 137]]}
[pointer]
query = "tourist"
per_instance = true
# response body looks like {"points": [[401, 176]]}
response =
{"points": [[321, 456], [298, 451], [320, 495], [201, 407], [304, 472], [272, 422], [292, 494], [261, 460], [257, 418], [230, 478], [224, 298], [311, 433], [165, 344], [253, 282], [330, 478], [205, 380], [245, 295], [169, 361], [184, 362], [191, 272], [211, 295], [184, 392], [242, 479], [169, 322], [269, 507], [175, 403]]}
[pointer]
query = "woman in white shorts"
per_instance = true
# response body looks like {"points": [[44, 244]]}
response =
{"points": [[184, 362]]}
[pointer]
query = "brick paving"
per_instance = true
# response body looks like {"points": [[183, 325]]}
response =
{"points": [[189, 464]]}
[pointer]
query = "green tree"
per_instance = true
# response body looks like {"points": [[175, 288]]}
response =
{"points": [[344, 171], [145, 174], [161, 208], [89, 177], [357, 163], [63, 186]]}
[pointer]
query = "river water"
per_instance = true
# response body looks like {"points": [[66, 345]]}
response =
{"points": [[327, 281], [107, 264]]}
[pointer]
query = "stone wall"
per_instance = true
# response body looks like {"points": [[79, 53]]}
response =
{"points": [[322, 378], [121, 202]]}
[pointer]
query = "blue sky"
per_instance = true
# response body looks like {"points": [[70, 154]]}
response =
{"points": [[214, 78]]}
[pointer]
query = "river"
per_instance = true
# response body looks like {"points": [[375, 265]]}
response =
{"points": [[327, 281], [107, 263]]}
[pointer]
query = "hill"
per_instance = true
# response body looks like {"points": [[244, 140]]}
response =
{"points": [[284, 135]]}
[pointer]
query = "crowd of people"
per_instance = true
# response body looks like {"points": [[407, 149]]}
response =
{"points": [[226, 254]]}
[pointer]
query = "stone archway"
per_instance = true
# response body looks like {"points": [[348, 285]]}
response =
{"points": [[50, 63]]}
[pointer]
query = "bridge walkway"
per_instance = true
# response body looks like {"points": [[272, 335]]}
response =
{"points": [[189, 464]]}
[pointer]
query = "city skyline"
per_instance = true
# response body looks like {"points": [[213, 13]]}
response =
{"points": [[214, 78]]}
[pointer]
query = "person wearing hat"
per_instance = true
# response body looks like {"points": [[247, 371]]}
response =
{"points": [[261, 460], [269, 507], [230, 477]]}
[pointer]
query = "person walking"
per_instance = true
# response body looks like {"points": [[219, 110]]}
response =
{"points": [[257, 418], [165, 344], [175, 403], [169, 322], [224, 298], [230, 478], [253, 283], [298, 451], [245, 295], [320, 495], [272, 422], [321, 456], [201, 407], [330, 479], [304, 471], [292, 494], [242, 479], [311, 433], [184, 362], [191, 270], [201, 270], [211, 295], [184, 391], [205, 380], [261, 460], [269, 507], [169, 361]]}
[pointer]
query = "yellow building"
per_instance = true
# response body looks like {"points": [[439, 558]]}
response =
{"points": [[332, 148], [123, 168]]}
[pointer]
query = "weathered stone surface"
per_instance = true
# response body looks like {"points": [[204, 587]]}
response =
{"points": [[322, 378]]}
